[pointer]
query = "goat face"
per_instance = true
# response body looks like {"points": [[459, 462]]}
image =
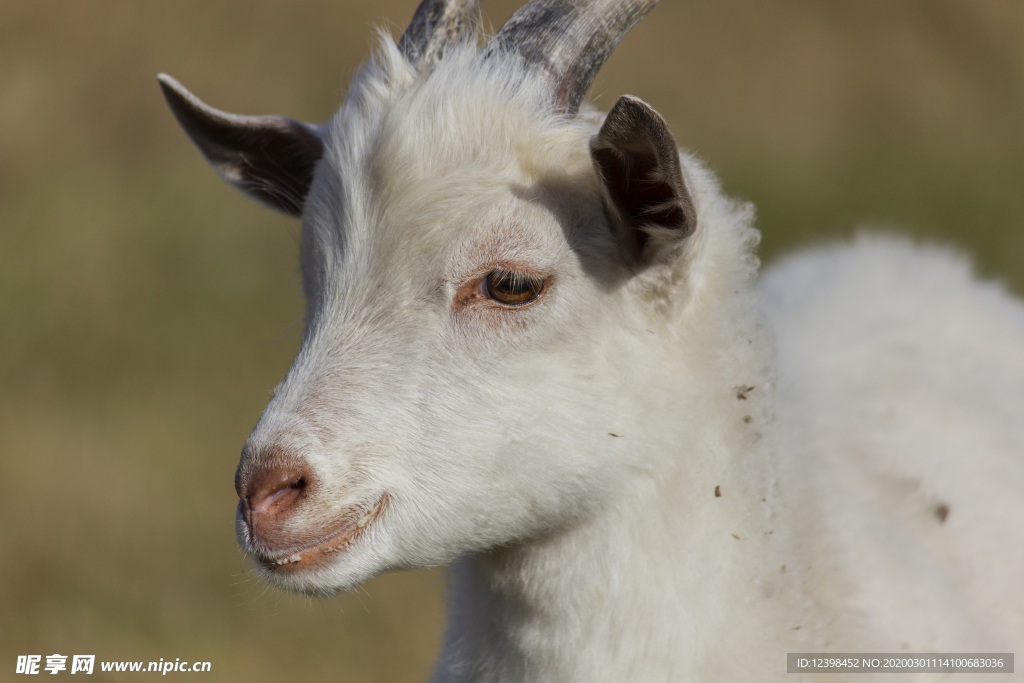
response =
{"points": [[470, 258], [444, 394]]}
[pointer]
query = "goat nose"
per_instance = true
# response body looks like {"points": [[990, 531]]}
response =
{"points": [[270, 493]]}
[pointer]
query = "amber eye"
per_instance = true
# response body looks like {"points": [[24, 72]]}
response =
{"points": [[512, 288]]}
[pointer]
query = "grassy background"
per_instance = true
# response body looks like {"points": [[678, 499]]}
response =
{"points": [[146, 309]]}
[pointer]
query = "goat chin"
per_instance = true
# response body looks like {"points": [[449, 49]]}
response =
{"points": [[537, 347]]}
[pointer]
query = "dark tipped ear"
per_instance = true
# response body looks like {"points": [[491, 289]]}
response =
{"points": [[270, 158], [637, 161]]}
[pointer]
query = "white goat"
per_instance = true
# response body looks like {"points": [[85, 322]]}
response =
{"points": [[536, 346]]}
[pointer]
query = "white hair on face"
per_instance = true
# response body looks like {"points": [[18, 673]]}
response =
{"points": [[538, 348]]}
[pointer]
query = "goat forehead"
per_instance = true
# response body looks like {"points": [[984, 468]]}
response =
{"points": [[435, 167]]}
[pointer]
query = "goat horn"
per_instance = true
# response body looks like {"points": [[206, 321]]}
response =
{"points": [[436, 24], [569, 40]]}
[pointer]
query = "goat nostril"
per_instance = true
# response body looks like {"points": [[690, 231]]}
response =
{"points": [[274, 491]]}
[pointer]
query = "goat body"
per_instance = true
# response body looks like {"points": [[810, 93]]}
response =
{"points": [[537, 347]]}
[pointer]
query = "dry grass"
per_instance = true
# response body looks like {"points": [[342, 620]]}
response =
{"points": [[146, 310]]}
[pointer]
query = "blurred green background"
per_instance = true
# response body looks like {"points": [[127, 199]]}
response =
{"points": [[146, 309]]}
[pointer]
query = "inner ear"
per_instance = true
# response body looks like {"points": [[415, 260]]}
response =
{"points": [[637, 161]]}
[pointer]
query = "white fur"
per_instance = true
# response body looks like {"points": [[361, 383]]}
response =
{"points": [[566, 456]]}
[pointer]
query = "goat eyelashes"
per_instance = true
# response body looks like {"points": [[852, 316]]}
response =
{"points": [[512, 288]]}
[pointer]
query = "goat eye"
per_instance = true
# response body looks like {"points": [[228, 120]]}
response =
{"points": [[512, 288]]}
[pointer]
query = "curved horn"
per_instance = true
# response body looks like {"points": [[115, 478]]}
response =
{"points": [[436, 24], [569, 40]]}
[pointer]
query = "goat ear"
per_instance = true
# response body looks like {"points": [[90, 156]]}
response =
{"points": [[637, 161], [269, 158]]}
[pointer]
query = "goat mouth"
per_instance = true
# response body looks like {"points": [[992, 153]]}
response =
{"points": [[319, 553]]}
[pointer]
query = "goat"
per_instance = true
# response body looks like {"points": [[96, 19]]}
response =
{"points": [[537, 347]]}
